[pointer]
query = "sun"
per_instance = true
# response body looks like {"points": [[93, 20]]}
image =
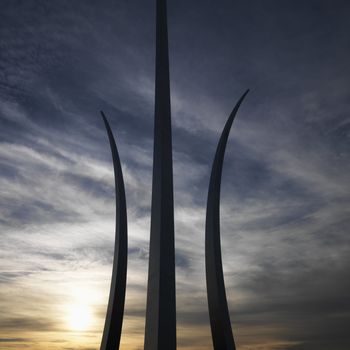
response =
{"points": [[79, 317]]}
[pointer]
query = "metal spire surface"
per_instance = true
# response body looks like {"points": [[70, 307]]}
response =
{"points": [[115, 310], [160, 330], [218, 310]]}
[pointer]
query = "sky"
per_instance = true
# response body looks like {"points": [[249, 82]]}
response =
{"points": [[286, 179]]}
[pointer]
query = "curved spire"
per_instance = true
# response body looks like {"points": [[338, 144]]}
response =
{"points": [[115, 310], [218, 310]]}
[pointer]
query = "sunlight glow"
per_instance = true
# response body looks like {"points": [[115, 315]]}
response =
{"points": [[79, 317]]}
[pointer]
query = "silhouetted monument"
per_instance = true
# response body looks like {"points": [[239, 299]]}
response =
{"points": [[115, 310], [160, 331], [218, 310]]}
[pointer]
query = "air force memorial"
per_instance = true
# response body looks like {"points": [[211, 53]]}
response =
{"points": [[160, 330]]}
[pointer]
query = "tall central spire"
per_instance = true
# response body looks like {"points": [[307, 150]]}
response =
{"points": [[160, 332]]}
